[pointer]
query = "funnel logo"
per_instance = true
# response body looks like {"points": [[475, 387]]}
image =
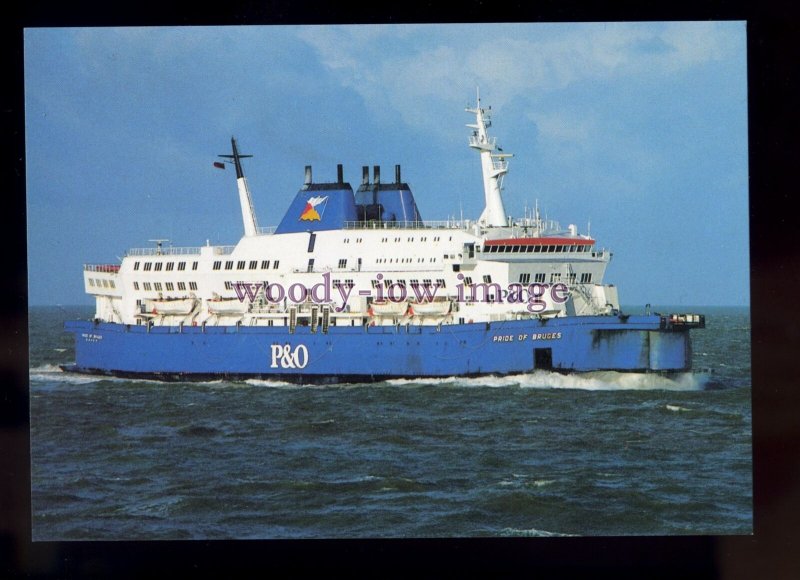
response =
{"points": [[311, 213]]}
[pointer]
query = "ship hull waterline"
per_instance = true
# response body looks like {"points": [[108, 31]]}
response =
{"points": [[364, 353]]}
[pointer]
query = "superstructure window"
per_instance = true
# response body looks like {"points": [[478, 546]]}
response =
{"points": [[217, 265], [136, 265], [229, 265], [135, 285], [148, 266], [181, 266], [157, 285], [487, 279], [159, 265], [194, 265], [240, 265], [343, 263], [192, 285], [586, 278], [170, 286], [524, 278], [253, 264], [170, 266], [539, 278], [147, 286], [265, 264], [555, 277], [181, 285]]}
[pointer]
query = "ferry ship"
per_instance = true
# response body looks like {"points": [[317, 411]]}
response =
{"points": [[353, 286]]}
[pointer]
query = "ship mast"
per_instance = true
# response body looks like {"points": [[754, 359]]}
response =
{"points": [[245, 199], [493, 165]]}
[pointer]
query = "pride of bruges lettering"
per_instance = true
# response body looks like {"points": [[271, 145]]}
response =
{"points": [[521, 337]]}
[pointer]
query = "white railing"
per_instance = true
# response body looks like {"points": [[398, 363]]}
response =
{"points": [[267, 230], [111, 268], [420, 225], [170, 251], [223, 250]]}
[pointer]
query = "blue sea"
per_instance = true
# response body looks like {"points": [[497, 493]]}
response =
{"points": [[542, 455]]}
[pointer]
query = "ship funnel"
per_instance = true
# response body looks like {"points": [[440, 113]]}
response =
{"points": [[365, 175], [376, 173], [397, 173], [339, 173], [308, 175]]}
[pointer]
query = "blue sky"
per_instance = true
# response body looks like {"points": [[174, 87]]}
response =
{"points": [[637, 128]]}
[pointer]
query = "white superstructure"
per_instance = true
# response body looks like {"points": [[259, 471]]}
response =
{"points": [[367, 271]]}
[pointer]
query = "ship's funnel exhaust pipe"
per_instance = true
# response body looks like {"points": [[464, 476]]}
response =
{"points": [[397, 173], [308, 175], [376, 173], [365, 175], [339, 173]]}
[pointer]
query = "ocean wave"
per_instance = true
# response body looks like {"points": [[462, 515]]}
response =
{"points": [[532, 533]]}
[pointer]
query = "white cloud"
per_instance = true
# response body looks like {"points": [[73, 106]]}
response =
{"points": [[512, 60]]}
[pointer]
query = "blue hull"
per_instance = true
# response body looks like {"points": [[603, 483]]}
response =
{"points": [[359, 354]]}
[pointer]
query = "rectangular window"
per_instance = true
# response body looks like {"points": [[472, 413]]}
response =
{"points": [[181, 266], [468, 281], [275, 264], [148, 266], [159, 265], [157, 285], [228, 285], [586, 278], [487, 279], [217, 265], [111, 283], [147, 286], [571, 278], [524, 278], [240, 265], [229, 265], [91, 281], [170, 266], [136, 265], [343, 263], [192, 285], [181, 285], [440, 282], [539, 278], [265, 264], [105, 283], [310, 265], [312, 239], [194, 265], [555, 277], [253, 264], [170, 286], [135, 285]]}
